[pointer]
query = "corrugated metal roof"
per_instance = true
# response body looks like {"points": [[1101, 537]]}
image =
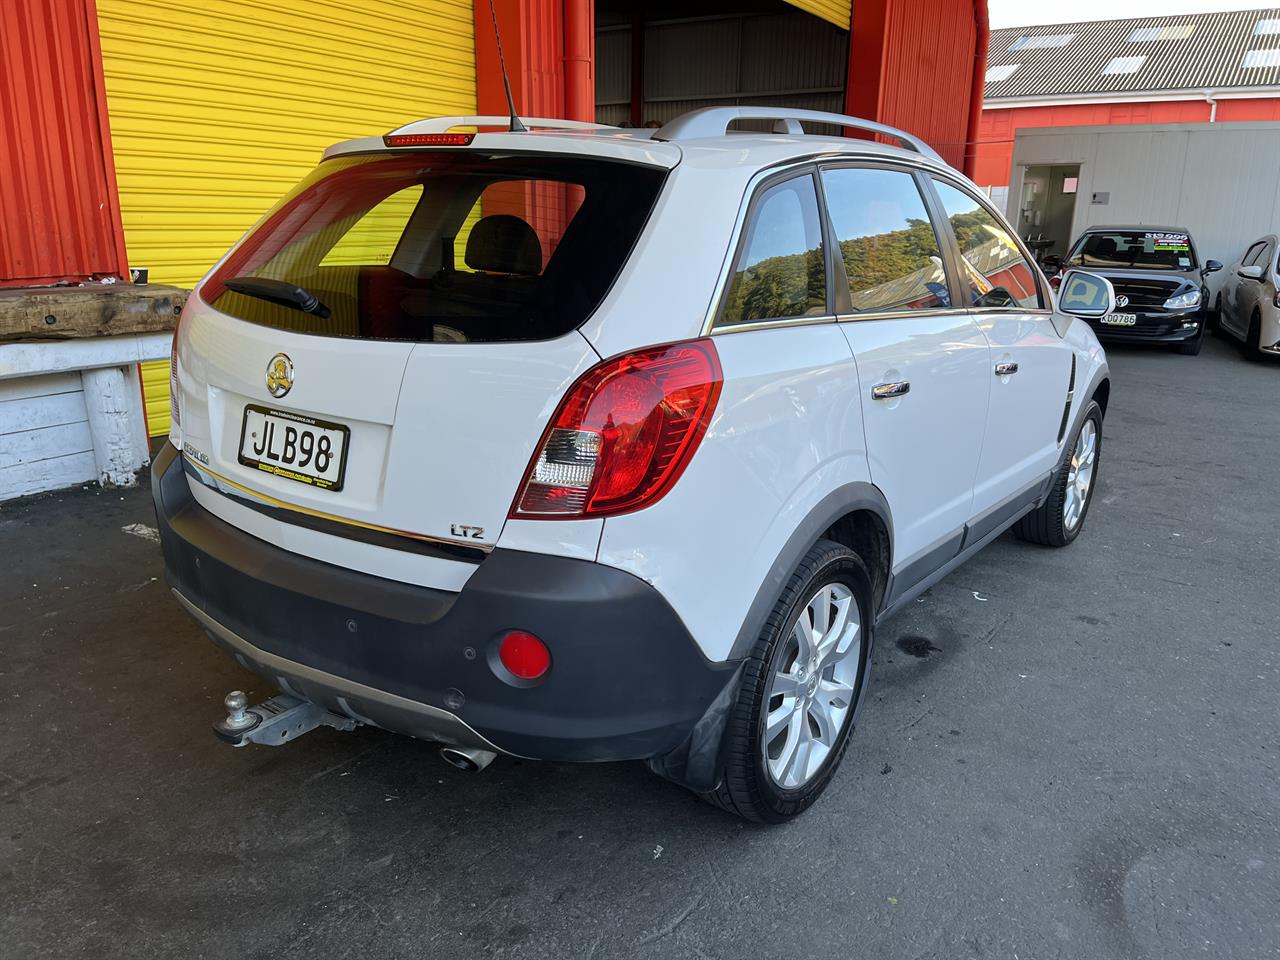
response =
{"points": [[1190, 52]]}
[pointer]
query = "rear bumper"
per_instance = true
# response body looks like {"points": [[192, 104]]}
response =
{"points": [[626, 682]]}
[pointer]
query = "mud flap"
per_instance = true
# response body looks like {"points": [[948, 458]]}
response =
{"points": [[695, 763]]}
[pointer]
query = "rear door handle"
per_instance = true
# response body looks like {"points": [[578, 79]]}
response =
{"points": [[1005, 369], [887, 391]]}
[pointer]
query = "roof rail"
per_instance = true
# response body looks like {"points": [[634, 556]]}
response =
{"points": [[714, 122], [445, 124]]}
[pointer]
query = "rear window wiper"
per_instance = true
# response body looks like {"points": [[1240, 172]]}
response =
{"points": [[279, 291]]}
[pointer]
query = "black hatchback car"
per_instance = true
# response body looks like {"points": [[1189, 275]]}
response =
{"points": [[1161, 295]]}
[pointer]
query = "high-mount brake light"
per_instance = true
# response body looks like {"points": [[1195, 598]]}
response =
{"points": [[623, 433], [428, 139]]}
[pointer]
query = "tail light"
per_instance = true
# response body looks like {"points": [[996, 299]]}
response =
{"points": [[623, 433], [1055, 281], [175, 413]]}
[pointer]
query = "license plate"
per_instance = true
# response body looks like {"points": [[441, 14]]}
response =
{"points": [[298, 448], [1120, 319]]}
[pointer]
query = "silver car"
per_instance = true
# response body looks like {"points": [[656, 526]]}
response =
{"points": [[1248, 305]]}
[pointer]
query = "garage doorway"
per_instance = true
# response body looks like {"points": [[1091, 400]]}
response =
{"points": [[657, 60], [1047, 208]]}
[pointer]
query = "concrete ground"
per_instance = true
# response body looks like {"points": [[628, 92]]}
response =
{"points": [[1067, 754]]}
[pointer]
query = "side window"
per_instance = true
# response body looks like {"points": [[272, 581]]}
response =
{"points": [[1251, 255], [997, 272], [889, 248], [780, 271]]}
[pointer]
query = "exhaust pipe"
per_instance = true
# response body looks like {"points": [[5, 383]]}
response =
{"points": [[471, 759]]}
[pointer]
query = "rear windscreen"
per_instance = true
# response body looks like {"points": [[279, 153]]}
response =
{"points": [[1140, 249], [440, 246]]}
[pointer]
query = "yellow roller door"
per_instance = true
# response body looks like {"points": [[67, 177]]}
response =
{"points": [[218, 107], [155, 389], [836, 11]]}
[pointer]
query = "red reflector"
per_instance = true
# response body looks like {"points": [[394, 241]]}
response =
{"points": [[428, 139], [623, 433], [524, 655]]}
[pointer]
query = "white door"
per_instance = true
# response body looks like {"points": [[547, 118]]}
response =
{"points": [[1030, 370], [1234, 316], [1251, 294], [923, 363]]}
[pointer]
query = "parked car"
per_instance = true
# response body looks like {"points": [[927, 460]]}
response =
{"points": [[1159, 281], [588, 444], [1248, 305]]}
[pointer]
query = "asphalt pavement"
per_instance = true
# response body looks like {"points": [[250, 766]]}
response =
{"points": [[1066, 754]]}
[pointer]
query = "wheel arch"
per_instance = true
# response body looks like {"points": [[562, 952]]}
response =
{"points": [[855, 514], [1102, 394]]}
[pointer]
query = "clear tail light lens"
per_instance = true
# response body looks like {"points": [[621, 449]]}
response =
{"points": [[175, 414], [623, 433]]}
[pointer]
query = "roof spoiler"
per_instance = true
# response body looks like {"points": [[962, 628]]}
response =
{"points": [[715, 121]]}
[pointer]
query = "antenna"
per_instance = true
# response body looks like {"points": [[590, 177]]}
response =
{"points": [[516, 125]]}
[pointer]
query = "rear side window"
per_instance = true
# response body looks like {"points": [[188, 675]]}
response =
{"points": [[1261, 257], [780, 271], [440, 246], [890, 250], [997, 272]]}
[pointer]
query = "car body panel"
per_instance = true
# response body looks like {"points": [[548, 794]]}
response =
{"points": [[442, 434], [1241, 297], [1142, 293], [787, 430]]}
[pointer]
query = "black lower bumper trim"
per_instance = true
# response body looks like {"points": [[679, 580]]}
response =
{"points": [[627, 681]]}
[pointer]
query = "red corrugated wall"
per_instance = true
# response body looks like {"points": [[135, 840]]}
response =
{"points": [[911, 65], [59, 213]]}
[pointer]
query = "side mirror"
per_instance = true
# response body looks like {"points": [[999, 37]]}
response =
{"points": [[1086, 295], [1250, 273], [1212, 266]]}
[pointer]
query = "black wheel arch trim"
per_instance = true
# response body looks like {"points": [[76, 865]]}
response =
{"points": [[845, 499]]}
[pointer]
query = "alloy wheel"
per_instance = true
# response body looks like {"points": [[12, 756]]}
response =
{"points": [[813, 688], [1080, 475]]}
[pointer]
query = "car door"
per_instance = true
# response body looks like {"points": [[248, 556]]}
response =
{"points": [[1251, 292], [923, 364], [1232, 291], [1030, 369]]}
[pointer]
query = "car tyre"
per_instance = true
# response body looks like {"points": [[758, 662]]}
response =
{"points": [[1059, 520], [1192, 347], [755, 784], [1213, 322], [1251, 345]]}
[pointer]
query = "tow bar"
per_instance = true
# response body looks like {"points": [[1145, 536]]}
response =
{"points": [[274, 722]]}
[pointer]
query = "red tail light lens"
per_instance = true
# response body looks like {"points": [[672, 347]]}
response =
{"points": [[623, 434], [1055, 281]]}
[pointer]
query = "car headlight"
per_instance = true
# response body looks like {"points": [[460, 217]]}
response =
{"points": [[1183, 300]]}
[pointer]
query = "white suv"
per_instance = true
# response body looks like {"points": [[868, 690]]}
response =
{"points": [[596, 444]]}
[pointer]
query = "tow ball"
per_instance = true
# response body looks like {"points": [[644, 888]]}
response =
{"points": [[274, 722]]}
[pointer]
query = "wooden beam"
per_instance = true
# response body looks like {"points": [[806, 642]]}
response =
{"points": [[67, 313]]}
